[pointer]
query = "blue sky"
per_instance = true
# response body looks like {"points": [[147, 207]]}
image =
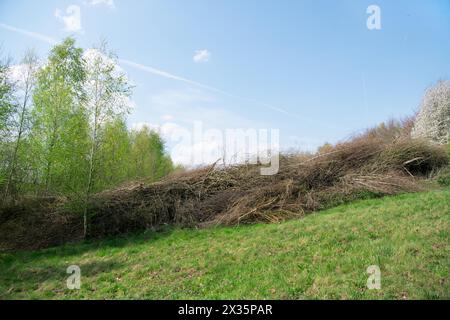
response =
{"points": [[309, 68]]}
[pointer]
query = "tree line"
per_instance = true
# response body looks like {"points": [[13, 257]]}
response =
{"points": [[63, 126]]}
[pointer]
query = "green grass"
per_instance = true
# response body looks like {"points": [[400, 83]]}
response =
{"points": [[324, 255]]}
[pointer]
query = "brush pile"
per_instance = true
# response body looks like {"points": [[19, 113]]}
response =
{"points": [[367, 166], [239, 194]]}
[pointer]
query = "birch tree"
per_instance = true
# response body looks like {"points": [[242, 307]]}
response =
{"points": [[108, 91], [114, 155], [25, 75], [7, 107], [58, 129]]}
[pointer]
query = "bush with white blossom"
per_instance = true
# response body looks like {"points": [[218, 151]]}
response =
{"points": [[433, 119]]}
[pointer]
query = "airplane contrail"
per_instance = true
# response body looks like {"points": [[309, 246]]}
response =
{"points": [[168, 75], [31, 34], [161, 73]]}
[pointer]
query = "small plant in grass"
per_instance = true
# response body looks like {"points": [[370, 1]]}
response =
{"points": [[443, 177]]}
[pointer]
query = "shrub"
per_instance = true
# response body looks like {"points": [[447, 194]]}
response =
{"points": [[433, 119], [444, 175]]}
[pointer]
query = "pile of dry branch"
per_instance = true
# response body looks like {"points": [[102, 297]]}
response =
{"points": [[369, 165]]}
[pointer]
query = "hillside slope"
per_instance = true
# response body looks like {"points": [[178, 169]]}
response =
{"points": [[324, 255], [367, 165]]}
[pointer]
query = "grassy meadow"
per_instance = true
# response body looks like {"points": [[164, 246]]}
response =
{"points": [[324, 255]]}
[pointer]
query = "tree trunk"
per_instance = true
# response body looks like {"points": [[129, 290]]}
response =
{"points": [[19, 137], [92, 155]]}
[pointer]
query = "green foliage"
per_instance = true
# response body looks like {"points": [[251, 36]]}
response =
{"points": [[59, 133], [7, 103], [113, 155], [63, 131], [443, 177], [20, 125], [8, 107], [148, 159], [2, 178]]}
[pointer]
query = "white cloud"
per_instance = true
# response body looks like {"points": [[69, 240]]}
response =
{"points": [[167, 117], [201, 56], [109, 3], [93, 56], [181, 112], [184, 149], [206, 151], [96, 59], [189, 105], [72, 19], [17, 73], [307, 144]]}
